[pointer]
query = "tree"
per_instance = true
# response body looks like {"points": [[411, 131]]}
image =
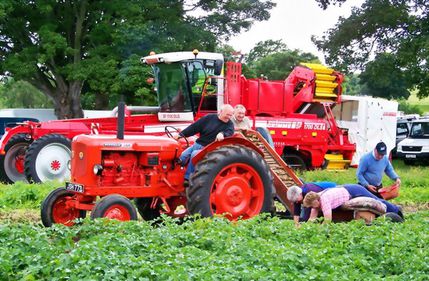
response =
{"points": [[63, 47], [351, 85], [277, 66], [20, 94], [265, 48], [383, 78], [396, 27]]}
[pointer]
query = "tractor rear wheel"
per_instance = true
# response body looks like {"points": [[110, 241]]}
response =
{"points": [[232, 180], [47, 159], [116, 207], [54, 209], [12, 163], [144, 209]]}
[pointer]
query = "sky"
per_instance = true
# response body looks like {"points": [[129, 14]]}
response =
{"points": [[294, 21]]}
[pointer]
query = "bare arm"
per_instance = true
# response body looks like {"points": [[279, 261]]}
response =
{"points": [[313, 214]]}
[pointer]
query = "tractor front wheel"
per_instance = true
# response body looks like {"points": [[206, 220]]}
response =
{"points": [[12, 163], [47, 159], [116, 207], [232, 180], [55, 210]]}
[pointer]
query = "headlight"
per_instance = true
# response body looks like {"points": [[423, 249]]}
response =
{"points": [[97, 169]]}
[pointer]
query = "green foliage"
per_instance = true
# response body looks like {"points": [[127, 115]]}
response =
{"points": [[384, 78], [216, 249], [277, 66], [351, 85], [21, 94], [64, 47], [409, 108], [399, 28], [265, 48], [24, 196]]}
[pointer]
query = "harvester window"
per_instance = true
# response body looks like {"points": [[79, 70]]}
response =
{"points": [[198, 73], [172, 88]]}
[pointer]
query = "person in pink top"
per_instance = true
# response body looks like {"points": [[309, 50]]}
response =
{"points": [[326, 201]]}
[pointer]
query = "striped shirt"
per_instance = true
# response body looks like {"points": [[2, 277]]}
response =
{"points": [[332, 198]]}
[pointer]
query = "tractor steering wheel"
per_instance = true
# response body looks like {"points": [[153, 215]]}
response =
{"points": [[170, 134]]}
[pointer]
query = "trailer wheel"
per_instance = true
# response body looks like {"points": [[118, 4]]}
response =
{"points": [[144, 209], [294, 161], [55, 211], [47, 159], [231, 180], [116, 207], [12, 163]]}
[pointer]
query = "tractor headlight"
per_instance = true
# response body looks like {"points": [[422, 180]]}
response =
{"points": [[97, 169]]}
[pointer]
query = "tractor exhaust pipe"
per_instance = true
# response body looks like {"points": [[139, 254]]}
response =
{"points": [[121, 120]]}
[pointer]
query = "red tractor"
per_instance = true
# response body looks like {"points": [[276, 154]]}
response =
{"points": [[231, 178]]}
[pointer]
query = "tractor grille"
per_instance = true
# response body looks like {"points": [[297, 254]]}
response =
{"points": [[411, 148]]}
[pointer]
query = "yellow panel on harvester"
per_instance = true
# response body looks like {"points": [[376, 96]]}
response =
{"points": [[325, 77], [336, 162], [318, 68]]}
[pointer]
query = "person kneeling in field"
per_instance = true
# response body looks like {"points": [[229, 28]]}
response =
{"points": [[332, 198]]}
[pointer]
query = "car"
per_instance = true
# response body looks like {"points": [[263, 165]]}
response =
{"points": [[415, 148], [403, 126]]}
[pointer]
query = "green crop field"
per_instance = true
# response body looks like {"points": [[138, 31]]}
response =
{"points": [[263, 248]]}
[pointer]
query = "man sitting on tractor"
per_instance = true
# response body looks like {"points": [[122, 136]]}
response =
{"points": [[212, 127]]}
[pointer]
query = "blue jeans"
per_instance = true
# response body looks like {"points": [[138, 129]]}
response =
{"points": [[357, 190], [266, 135], [188, 154]]}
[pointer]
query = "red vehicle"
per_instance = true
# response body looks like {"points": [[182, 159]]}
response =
{"points": [[295, 113], [235, 177]]}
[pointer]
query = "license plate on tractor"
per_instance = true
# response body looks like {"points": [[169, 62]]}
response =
{"points": [[74, 187]]}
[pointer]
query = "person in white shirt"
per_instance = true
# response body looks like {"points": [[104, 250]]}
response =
{"points": [[241, 122]]}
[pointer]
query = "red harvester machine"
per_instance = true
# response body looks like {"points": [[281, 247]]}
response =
{"points": [[295, 113]]}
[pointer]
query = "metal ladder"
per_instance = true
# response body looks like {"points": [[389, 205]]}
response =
{"points": [[283, 175]]}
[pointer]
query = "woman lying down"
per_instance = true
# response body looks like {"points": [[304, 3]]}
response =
{"points": [[332, 198]]}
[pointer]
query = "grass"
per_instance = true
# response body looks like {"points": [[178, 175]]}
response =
{"points": [[423, 104]]}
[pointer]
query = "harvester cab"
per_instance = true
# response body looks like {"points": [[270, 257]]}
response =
{"points": [[187, 83]]}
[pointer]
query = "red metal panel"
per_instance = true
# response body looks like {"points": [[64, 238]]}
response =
{"points": [[270, 98]]}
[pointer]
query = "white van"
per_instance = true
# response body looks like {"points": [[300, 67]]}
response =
{"points": [[415, 148]]}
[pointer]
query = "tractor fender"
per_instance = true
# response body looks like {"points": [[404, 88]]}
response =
{"points": [[26, 128], [235, 139]]}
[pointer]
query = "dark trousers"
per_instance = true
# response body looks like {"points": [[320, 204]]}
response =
{"points": [[375, 193], [357, 190]]}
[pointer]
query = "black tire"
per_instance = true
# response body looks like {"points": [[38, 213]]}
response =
{"points": [[15, 148], [295, 161], [53, 211], [393, 217], [114, 206], [47, 159], [144, 209], [212, 175]]}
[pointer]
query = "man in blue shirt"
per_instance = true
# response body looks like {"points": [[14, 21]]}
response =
{"points": [[371, 168]]}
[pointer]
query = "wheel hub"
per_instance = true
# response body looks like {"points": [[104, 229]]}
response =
{"points": [[233, 195], [118, 213]]}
